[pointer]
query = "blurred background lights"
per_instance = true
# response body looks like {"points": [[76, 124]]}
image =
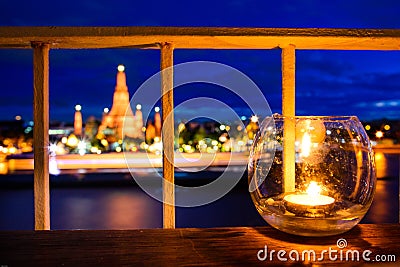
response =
{"points": [[121, 68], [254, 118]]}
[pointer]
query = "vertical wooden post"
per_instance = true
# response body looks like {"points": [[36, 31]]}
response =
{"points": [[167, 103], [288, 111], [41, 135]]}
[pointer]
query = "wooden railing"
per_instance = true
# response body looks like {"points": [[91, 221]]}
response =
{"points": [[42, 39]]}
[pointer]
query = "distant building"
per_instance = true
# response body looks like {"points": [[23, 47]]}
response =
{"points": [[91, 127], [121, 120], [157, 122], [150, 132], [78, 121]]}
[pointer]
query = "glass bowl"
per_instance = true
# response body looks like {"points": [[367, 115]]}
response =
{"points": [[312, 175]]}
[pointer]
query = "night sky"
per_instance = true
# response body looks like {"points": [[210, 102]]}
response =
{"points": [[362, 83]]}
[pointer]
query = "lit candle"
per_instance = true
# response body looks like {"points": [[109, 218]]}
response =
{"points": [[311, 203]]}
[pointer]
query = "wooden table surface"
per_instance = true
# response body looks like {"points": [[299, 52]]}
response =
{"points": [[237, 246]]}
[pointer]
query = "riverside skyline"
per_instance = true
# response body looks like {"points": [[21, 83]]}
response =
{"points": [[361, 83]]}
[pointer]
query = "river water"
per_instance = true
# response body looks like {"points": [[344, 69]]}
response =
{"points": [[101, 200]]}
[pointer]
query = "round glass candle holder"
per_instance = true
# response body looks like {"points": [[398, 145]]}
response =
{"points": [[312, 175]]}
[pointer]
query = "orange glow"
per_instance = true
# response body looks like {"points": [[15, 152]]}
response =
{"points": [[72, 140], [315, 128], [104, 142], [313, 189], [381, 165], [379, 134], [305, 145]]}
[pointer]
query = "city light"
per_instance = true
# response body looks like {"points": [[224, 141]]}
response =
{"points": [[52, 149], [121, 68], [193, 137], [29, 129], [54, 131], [104, 142], [223, 138], [72, 141], [181, 127], [82, 148]]}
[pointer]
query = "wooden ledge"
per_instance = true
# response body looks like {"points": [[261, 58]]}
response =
{"points": [[176, 247], [200, 38]]}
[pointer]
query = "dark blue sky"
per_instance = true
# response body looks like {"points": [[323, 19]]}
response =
{"points": [[362, 83]]}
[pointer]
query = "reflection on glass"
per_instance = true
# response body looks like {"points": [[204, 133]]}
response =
{"points": [[329, 179]]}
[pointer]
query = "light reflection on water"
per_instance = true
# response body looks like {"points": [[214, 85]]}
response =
{"points": [[128, 207], [103, 208], [387, 165], [385, 207]]}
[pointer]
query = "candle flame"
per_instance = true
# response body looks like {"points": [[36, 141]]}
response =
{"points": [[313, 189]]}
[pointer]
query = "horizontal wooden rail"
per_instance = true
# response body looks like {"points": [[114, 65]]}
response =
{"points": [[233, 246], [201, 37]]}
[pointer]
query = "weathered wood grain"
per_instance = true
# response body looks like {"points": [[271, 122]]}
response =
{"points": [[167, 103], [236, 246], [41, 135], [288, 110], [201, 37]]}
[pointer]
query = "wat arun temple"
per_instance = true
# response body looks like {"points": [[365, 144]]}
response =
{"points": [[120, 121]]}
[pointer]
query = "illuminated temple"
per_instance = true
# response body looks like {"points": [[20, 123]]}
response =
{"points": [[121, 121]]}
